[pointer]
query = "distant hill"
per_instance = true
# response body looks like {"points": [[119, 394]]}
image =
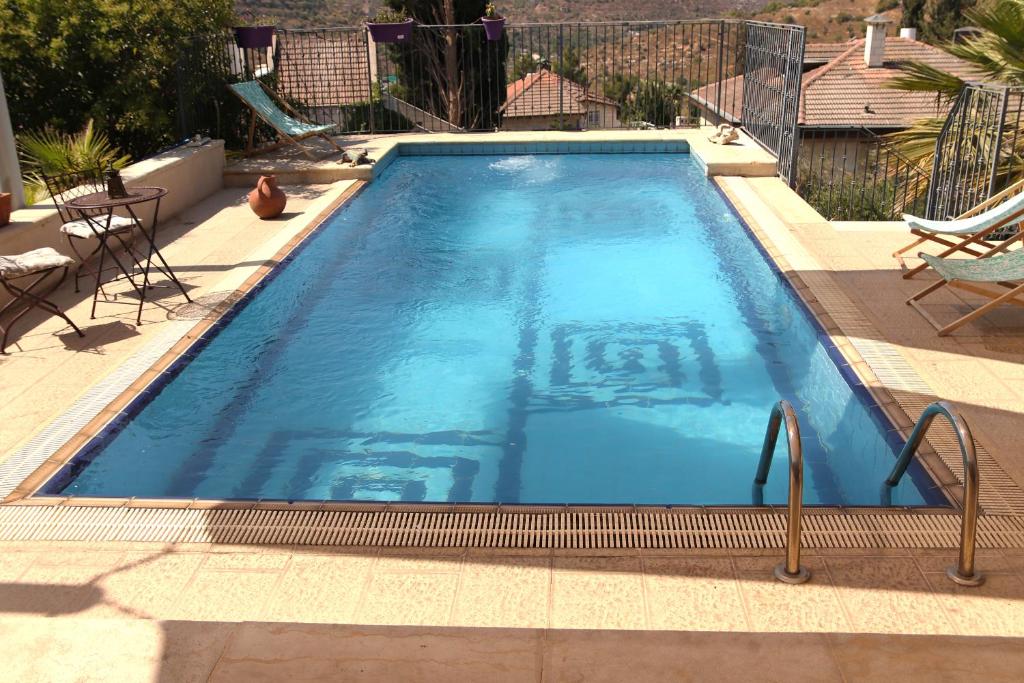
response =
{"points": [[321, 13], [829, 21], [826, 20]]}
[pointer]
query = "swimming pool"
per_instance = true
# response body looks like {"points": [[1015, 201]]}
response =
{"points": [[545, 328]]}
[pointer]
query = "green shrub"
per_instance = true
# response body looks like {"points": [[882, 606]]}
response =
{"points": [[66, 62], [53, 153]]}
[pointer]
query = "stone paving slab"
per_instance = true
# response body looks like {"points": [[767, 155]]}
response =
{"points": [[76, 612]]}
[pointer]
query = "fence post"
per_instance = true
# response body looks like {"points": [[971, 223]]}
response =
{"points": [[999, 141], [371, 76], [179, 77], [561, 89], [721, 75]]}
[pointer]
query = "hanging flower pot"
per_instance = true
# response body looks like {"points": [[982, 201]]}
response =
{"points": [[390, 26], [493, 27], [391, 33], [254, 37]]}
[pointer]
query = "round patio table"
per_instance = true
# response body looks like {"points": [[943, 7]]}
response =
{"points": [[97, 209]]}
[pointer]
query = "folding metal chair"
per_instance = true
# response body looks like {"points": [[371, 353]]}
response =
{"points": [[63, 188], [37, 264]]}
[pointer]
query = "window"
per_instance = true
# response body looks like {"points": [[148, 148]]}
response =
{"points": [[594, 117]]}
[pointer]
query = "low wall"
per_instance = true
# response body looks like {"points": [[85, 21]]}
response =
{"points": [[190, 174]]}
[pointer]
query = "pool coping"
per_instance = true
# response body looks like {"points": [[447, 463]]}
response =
{"points": [[760, 526]]}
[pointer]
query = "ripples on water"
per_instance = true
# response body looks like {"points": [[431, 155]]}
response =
{"points": [[537, 328]]}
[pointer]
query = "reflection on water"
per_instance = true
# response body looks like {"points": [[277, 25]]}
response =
{"points": [[539, 329]]}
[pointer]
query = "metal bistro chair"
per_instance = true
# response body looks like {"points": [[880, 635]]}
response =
{"points": [[63, 188], [40, 263]]}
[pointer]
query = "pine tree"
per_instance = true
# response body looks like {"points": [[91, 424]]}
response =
{"points": [[935, 20]]}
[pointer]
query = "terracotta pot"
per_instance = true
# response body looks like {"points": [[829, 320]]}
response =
{"points": [[267, 200], [5, 208]]}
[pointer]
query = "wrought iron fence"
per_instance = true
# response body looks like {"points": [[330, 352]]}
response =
{"points": [[979, 151], [559, 76], [536, 77], [853, 174]]}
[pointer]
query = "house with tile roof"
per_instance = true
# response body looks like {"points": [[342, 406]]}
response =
{"points": [[326, 73], [843, 84], [543, 100]]}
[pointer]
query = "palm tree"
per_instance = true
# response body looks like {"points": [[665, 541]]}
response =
{"points": [[997, 55]]}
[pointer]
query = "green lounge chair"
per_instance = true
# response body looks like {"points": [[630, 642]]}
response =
{"points": [[290, 128], [1005, 270], [990, 226]]}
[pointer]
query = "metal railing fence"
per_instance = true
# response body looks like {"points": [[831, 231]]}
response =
{"points": [[853, 174], [644, 74], [980, 149]]}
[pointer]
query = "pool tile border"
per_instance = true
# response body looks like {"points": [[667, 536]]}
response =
{"points": [[900, 394], [188, 339], [541, 147], [851, 366]]}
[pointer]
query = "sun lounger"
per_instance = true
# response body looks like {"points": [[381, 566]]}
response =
{"points": [[1004, 270], [291, 126], [987, 229]]}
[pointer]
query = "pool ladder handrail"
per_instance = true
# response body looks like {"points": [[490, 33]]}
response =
{"points": [[789, 571], [964, 573]]}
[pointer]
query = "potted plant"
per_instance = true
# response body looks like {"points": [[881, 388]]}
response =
{"points": [[493, 22], [5, 208], [254, 33], [390, 26]]}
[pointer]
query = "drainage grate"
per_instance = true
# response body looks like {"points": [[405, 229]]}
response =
{"points": [[564, 530]]}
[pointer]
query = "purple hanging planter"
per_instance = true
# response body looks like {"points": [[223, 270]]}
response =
{"points": [[254, 37], [493, 27], [391, 33]]}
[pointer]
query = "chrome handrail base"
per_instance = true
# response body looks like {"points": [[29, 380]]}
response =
{"points": [[975, 579], [802, 575]]}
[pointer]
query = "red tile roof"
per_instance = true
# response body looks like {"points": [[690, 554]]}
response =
{"points": [[537, 94], [844, 92], [323, 70], [823, 53]]}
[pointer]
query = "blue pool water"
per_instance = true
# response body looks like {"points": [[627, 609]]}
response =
{"points": [[536, 329]]}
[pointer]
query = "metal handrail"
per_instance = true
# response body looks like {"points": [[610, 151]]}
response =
{"points": [[789, 571], [964, 572]]}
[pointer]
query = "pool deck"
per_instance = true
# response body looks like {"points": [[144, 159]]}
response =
{"points": [[98, 610]]}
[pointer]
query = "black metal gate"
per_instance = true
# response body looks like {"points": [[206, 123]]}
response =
{"points": [[773, 65]]}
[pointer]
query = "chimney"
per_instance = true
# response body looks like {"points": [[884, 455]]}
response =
{"points": [[908, 33], [874, 44]]}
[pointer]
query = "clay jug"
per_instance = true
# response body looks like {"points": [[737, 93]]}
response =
{"points": [[267, 200]]}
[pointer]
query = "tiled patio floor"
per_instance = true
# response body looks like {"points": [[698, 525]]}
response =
{"points": [[195, 612]]}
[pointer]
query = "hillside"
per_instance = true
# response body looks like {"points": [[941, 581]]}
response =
{"points": [[828, 21], [319, 13]]}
